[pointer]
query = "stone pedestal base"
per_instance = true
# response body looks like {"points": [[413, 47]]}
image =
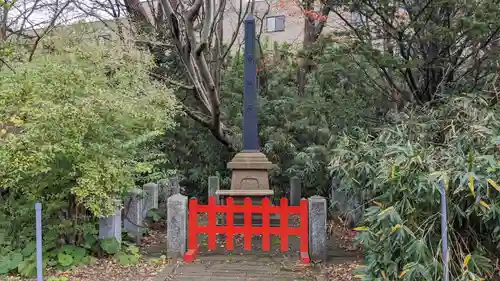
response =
{"points": [[250, 171], [250, 178]]}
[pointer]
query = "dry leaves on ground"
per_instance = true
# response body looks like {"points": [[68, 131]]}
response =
{"points": [[342, 235], [109, 270], [330, 272], [340, 272]]}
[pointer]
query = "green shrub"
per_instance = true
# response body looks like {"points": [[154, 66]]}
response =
{"points": [[398, 169], [75, 127]]}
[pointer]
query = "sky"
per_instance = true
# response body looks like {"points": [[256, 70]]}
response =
{"points": [[38, 13]]}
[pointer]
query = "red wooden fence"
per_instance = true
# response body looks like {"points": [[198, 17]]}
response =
{"points": [[212, 229]]}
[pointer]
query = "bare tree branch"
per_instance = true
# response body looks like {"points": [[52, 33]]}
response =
{"points": [[57, 13]]}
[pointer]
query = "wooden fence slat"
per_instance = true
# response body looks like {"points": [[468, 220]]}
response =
{"points": [[284, 224], [266, 225], [247, 224], [304, 231], [229, 224], [212, 223], [192, 231]]}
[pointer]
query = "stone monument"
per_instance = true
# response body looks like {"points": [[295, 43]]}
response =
{"points": [[250, 176]]}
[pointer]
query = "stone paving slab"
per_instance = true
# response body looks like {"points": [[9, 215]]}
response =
{"points": [[236, 268]]}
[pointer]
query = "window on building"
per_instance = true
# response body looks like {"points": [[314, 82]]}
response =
{"points": [[275, 24]]}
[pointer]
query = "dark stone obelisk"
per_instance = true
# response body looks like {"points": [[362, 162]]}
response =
{"points": [[250, 168], [250, 122]]}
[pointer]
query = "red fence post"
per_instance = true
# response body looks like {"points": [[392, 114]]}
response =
{"points": [[192, 246], [284, 224], [266, 224], [229, 224], [304, 231], [212, 223], [247, 224]]}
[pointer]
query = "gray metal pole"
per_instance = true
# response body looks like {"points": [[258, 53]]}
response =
{"points": [[444, 231], [39, 264]]}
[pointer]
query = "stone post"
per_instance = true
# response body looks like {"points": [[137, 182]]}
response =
{"points": [[317, 228], [111, 226], [150, 198], [174, 186], [177, 216], [163, 196], [213, 186], [133, 219], [162, 189], [295, 191]]}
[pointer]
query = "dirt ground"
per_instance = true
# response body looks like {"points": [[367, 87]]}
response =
{"points": [[342, 258]]}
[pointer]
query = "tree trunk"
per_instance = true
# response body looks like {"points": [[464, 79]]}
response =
{"points": [[304, 64]]}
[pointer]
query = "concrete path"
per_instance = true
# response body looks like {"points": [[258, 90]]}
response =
{"points": [[239, 268]]}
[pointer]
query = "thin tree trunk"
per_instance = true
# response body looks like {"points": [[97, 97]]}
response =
{"points": [[216, 53], [304, 65]]}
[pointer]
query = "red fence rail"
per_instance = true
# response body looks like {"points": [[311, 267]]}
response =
{"points": [[266, 209]]}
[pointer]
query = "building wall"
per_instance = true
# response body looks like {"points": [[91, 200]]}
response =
{"points": [[233, 28], [294, 21]]}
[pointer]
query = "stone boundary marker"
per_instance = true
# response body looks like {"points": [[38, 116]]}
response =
{"points": [[136, 205], [317, 228], [133, 215], [167, 188], [150, 200], [213, 186], [295, 191], [111, 226], [177, 222]]}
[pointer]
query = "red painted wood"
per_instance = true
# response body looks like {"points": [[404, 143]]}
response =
{"points": [[266, 225], [192, 245], [190, 255], [266, 209], [247, 224], [304, 231], [212, 224], [230, 224], [285, 231]]}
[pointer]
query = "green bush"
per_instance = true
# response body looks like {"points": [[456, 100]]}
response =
{"points": [[398, 169], [76, 125]]}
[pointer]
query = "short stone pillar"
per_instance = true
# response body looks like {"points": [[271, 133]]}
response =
{"points": [[177, 216], [213, 186], [133, 216], [173, 186], [163, 187], [162, 196], [111, 226], [317, 228], [150, 200], [295, 191]]}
